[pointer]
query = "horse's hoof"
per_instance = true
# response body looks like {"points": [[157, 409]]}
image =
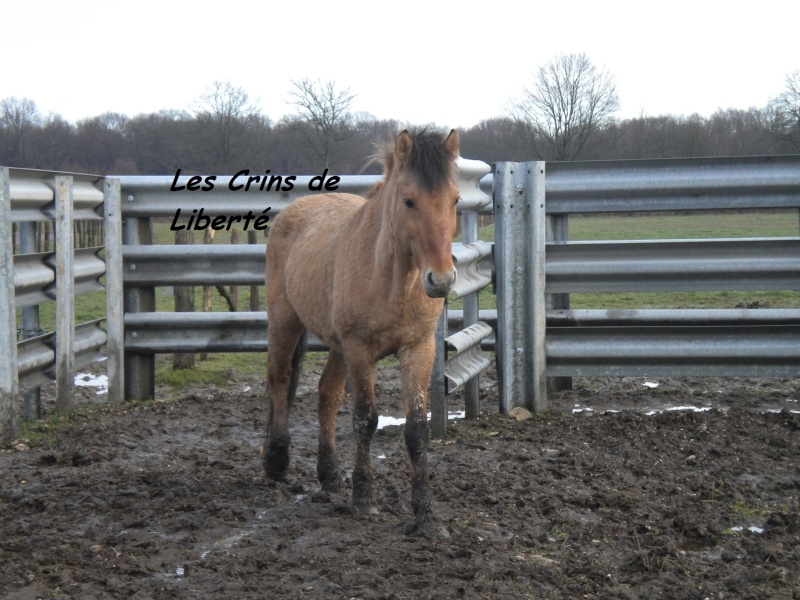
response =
{"points": [[333, 485], [329, 478], [276, 463], [364, 509], [321, 497], [428, 529]]}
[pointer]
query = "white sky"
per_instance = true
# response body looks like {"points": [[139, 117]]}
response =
{"points": [[416, 61]]}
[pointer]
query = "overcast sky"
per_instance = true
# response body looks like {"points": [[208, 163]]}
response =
{"points": [[417, 61]]}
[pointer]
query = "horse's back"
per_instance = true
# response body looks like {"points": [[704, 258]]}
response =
{"points": [[311, 225], [315, 213]]}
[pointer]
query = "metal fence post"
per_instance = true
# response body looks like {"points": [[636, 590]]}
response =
{"points": [[9, 382], [32, 406], [471, 200], [558, 231], [469, 234], [537, 306], [140, 378], [438, 399], [115, 326], [65, 290], [519, 266]]}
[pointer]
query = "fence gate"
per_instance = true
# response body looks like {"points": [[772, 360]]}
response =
{"points": [[30, 279]]}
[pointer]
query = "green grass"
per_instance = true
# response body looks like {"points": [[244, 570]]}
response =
{"points": [[558, 532], [46, 432], [675, 226], [88, 307], [646, 300], [219, 369], [684, 226], [165, 301]]}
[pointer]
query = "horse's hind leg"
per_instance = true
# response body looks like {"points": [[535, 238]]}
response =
{"points": [[331, 394], [286, 347]]}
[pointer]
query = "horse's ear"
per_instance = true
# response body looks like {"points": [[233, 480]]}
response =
{"points": [[402, 147], [452, 143]]}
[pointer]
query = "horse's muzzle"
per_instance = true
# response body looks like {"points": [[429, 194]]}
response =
{"points": [[438, 285]]}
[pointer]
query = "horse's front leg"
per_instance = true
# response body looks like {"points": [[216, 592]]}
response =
{"points": [[331, 394], [365, 421], [415, 369]]}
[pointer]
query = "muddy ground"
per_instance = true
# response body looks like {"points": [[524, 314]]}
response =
{"points": [[168, 500]]}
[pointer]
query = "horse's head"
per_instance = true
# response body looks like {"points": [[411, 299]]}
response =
{"points": [[425, 196]]}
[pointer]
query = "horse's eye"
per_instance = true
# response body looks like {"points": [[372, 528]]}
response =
{"points": [[456, 202], [408, 202]]}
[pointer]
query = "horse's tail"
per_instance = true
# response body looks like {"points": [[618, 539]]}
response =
{"points": [[297, 365]]}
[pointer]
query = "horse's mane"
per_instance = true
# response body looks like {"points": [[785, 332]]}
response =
{"points": [[430, 162]]}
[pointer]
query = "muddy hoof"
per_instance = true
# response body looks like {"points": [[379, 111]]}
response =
{"points": [[276, 462], [329, 478], [332, 485], [428, 529], [360, 508]]}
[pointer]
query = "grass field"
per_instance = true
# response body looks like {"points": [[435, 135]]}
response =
{"points": [[685, 226], [675, 226]]}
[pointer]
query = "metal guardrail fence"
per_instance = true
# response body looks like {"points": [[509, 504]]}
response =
{"points": [[533, 264], [670, 184], [537, 268], [730, 183], [674, 265], [30, 279]]}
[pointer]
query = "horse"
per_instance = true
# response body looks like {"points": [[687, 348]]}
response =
{"points": [[367, 276]]}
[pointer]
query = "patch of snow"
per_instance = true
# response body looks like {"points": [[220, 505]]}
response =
{"points": [[88, 380]]}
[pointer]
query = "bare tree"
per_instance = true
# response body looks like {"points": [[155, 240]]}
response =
{"points": [[51, 144], [163, 142], [324, 115], [18, 119], [786, 111], [569, 103], [101, 142], [223, 111]]}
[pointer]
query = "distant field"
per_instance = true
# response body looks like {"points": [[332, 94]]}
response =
{"points": [[684, 226], [677, 226]]}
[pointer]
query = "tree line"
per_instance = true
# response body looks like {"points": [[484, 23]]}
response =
{"points": [[567, 113]]}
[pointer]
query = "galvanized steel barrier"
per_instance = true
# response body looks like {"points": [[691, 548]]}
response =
{"points": [[30, 279], [537, 267], [472, 259], [532, 264]]}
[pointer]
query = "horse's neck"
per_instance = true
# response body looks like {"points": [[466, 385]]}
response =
{"points": [[392, 264]]}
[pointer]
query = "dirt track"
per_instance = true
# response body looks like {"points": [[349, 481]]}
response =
{"points": [[169, 501]]}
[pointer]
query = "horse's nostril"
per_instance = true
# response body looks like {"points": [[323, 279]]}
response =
{"points": [[430, 278]]}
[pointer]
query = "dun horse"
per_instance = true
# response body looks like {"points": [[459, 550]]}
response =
{"points": [[368, 277]]}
